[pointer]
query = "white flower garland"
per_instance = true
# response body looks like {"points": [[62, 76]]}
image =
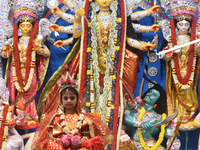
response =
{"points": [[64, 123], [100, 106]]}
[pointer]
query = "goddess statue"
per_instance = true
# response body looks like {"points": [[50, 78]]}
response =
{"points": [[182, 72], [27, 59], [100, 86]]}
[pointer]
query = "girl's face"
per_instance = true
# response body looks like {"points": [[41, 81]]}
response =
{"points": [[69, 100], [183, 26], [26, 27]]}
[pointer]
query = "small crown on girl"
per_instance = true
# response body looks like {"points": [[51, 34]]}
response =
{"points": [[67, 80]]}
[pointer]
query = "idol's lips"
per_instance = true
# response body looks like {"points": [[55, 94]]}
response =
{"points": [[149, 97]]}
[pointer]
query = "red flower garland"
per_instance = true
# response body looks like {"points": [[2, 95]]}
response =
{"points": [[5, 110], [28, 54], [191, 53]]}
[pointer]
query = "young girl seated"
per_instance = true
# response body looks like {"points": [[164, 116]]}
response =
{"points": [[70, 127]]}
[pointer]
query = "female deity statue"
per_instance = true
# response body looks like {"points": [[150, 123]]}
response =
{"points": [[100, 86], [9, 137], [182, 72], [25, 70], [139, 124], [70, 127]]}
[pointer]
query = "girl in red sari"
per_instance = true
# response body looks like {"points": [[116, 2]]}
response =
{"points": [[70, 127]]}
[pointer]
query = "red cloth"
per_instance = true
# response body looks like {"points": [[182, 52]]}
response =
{"points": [[40, 139], [94, 143]]}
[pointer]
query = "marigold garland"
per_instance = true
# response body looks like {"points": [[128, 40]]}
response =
{"points": [[4, 128], [17, 77], [161, 135], [183, 83]]}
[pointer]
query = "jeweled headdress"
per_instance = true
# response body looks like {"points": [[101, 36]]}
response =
{"points": [[4, 92], [67, 80], [25, 10], [181, 9]]}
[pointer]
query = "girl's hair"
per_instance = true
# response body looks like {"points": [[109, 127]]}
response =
{"points": [[69, 89]]}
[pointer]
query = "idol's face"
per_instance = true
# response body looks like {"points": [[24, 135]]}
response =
{"points": [[104, 3], [152, 96], [26, 27], [183, 26]]}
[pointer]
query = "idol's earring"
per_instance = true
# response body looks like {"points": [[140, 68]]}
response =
{"points": [[177, 32], [97, 7], [19, 32]]}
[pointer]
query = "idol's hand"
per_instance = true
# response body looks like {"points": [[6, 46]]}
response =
{"points": [[80, 12], [155, 9], [155, 27], [55, 11], [6, 51], [58, 44], [54, 27], [36, 44], [148, 46], [146, 126]]}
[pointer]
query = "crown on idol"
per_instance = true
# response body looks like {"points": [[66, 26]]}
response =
{"points": [[68, 80], [182, 9], [25, 10]]}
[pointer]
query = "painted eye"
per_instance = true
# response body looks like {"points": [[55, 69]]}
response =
{"points": [[187, 24], [22, 26], [180, 24], [65, 98], [28, 25], [72, 98]]}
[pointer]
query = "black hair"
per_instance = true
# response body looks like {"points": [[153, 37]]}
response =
{"points": [[69, 89], [130, 32], [161, 101], [176, 21]]}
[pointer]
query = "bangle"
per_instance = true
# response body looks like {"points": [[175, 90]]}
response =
{"points": [[62, 30], [140, 124], [141, 45], [66, 42], [148, 29], [60, 14], [77, 18], [65, 2], [148, 12]]}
